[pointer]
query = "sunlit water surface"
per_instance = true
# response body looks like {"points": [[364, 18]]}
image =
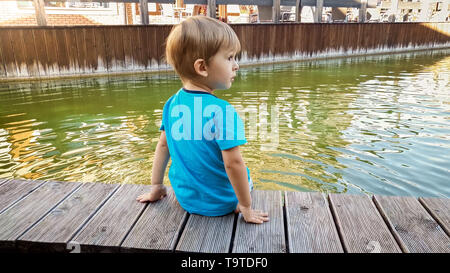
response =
{"points": [[373, 125]]}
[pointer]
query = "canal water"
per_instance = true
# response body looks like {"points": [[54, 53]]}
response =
{"points": [[363, 125]]}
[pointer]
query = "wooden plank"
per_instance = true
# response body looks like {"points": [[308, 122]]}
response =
{"points": [[72, 50], [2, 64], [310, 224], [52, 52], [90, 45], [142, 47], [439, 208], [3, 181], [79, 33], [25, 213], [56, 229], [118, 48], [268, 237], [109, 49], [63, 58], [158, 228], [8, 53], [415, 230], [19, 52], [13, 190], [361, 226], [30, 53], [207, 234], [107, 229], [101, 48], [41, 51], [152, 47], [128, 40]]}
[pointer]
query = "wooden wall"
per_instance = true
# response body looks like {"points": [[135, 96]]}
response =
{"points": [[41, 52]]}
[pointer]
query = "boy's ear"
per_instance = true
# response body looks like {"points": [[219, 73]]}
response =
{"points": [[200, 67]]}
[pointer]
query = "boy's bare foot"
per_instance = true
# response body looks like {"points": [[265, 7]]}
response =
{"points": [[156, 193]]}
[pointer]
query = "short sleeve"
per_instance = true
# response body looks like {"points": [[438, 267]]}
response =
{"points": [[232, 129], [165, 115]]}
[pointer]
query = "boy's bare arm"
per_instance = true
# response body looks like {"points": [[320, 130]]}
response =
{"points": [[237, 173], [162, 156]]}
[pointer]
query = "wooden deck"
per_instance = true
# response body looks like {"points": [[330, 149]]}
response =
{"points": [[97, 217]]}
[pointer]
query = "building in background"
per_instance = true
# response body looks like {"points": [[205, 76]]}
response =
{"points": [[20, 13]]}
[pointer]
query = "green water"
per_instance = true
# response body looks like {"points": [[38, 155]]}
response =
{"points": [[373, 125]]}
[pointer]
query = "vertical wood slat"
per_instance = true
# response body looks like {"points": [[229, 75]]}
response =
{"points": [[207, 234], [439, 208], [52, 52], [128, 39], [268, 237], [8, 55], [103, 61], [19, 52], [20, 217], [158, 228], [13, 190], [2, 62], [63, 57], [119, 48], [41, 51], [79, 34], [361, 226], [72, 50], [30, 53], [92, 53], [108, 228], [55, 230], [310, 225], [413, 227]]}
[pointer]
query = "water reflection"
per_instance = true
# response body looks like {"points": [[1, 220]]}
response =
{"points": [[374, 124]]}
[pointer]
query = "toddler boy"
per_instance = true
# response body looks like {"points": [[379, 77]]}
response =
{"points": [[200, 132]]}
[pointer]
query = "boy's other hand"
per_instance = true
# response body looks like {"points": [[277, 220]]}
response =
{"points": [[252, 216], [156, 193]]}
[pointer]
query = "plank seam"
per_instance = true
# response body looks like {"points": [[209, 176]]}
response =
{"points": [[390, 226], [285, 221], [233, 233], [132, 226], [23, 197], [49, 211], [337, 224], [433, 215], [179, 232], [88, 219]]}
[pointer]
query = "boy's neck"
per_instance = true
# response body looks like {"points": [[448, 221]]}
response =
{"points": [[197, 87]]}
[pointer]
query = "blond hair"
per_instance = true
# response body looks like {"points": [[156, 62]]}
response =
{"points": [[198, 37]]}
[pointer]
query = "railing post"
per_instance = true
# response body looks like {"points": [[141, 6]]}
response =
{"points": [[393, 11], [298, 11], [143, 5], [40, 12], [362, 11], [276, 11], [211, 8], [318, 13]]}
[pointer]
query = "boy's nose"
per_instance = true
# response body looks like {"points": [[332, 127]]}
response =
{"points": [[236, 66]]}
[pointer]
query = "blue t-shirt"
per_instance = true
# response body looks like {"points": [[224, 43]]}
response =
{"points": [[198, 127]]}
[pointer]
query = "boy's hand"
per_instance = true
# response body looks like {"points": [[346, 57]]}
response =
{"points": [[252, 216], [156, 193]]}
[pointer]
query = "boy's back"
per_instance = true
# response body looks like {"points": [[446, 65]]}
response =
{"points": [[198, 127]]}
